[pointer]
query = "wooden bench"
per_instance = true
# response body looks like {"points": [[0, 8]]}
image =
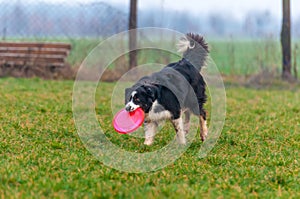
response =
{"points": [[35, 54]]}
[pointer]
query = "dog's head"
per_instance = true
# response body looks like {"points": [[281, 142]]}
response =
{"points": [[142, 97]]}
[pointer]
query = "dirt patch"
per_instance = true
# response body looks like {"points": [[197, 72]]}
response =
{"points": [[265, 79], [44, 72], [270, 78]]}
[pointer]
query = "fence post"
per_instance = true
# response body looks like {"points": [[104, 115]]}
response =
{"points": [[132, 34]]}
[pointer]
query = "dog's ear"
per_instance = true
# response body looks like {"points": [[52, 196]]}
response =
{"points": [[128, 91], [151, 92]]}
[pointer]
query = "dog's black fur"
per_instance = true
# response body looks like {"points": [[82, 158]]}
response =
{"points": [[166, 95]]}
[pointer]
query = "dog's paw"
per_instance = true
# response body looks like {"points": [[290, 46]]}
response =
{"points": [[203, 130], [181, 141], [148, 142], [203, 134], [186, 128]]}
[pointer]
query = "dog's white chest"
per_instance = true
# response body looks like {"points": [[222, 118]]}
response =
{"points": [[158, 113]]}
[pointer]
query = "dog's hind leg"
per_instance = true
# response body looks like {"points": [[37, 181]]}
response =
{"points": [[187, 121], [180, 133], [203, 125], [150, 130]]}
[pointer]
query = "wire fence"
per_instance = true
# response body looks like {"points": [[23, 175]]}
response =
{"points": [[98, 18], [65, 20]]}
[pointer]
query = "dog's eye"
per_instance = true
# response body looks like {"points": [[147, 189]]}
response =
{"points": [[137, 99]]}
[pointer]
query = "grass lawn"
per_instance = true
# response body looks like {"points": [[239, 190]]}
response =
{"points": [[233, 57], [42, 156]]}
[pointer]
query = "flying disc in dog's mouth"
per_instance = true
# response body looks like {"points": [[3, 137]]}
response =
{"points": [[127, 122]]}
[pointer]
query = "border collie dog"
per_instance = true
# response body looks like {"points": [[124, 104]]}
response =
{"points": [[169, 93]]}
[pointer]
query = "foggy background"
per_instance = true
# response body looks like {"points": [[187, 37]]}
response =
{"points": [[216, 19]]}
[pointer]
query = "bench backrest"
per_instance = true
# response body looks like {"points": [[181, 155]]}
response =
{"points": [[33, 53]]}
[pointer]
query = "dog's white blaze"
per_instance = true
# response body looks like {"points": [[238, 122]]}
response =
{"points": [[133, 93], [163, 115], [131, 104]]}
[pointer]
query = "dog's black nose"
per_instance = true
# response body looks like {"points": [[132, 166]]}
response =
{"points": [[128, 108]]}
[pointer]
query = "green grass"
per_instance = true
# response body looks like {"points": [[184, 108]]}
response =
{"points": [[246, 57], [233, 57], [41, 155]]}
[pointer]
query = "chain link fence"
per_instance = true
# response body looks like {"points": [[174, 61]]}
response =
{"points": [[37, 20]]}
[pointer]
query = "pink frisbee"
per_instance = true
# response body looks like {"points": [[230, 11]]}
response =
{"points": [[126, 122]]}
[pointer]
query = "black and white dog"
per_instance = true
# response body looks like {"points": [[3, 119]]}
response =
{"points": [[168, 93]]}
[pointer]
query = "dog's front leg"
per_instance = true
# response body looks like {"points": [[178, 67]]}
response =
{"points": [[150, 130], [180, 133]]}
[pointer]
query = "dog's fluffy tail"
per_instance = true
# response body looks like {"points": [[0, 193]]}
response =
{"points": [[194, 49]]}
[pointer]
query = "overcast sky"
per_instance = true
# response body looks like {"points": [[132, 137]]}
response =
{"points": [[237, 8]]}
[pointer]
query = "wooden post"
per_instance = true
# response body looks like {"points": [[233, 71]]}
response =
{"points": [[132, 34], [286, 41], [295, 62]]}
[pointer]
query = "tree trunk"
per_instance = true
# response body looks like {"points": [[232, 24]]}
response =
{"points": [[132, 34], [286, 41]]}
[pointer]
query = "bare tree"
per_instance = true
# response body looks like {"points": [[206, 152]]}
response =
{"points": [[286, 41], [132, 34]]}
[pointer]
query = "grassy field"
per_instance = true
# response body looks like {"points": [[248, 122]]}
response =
{"points": [[41, 155], [233, 57]]}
